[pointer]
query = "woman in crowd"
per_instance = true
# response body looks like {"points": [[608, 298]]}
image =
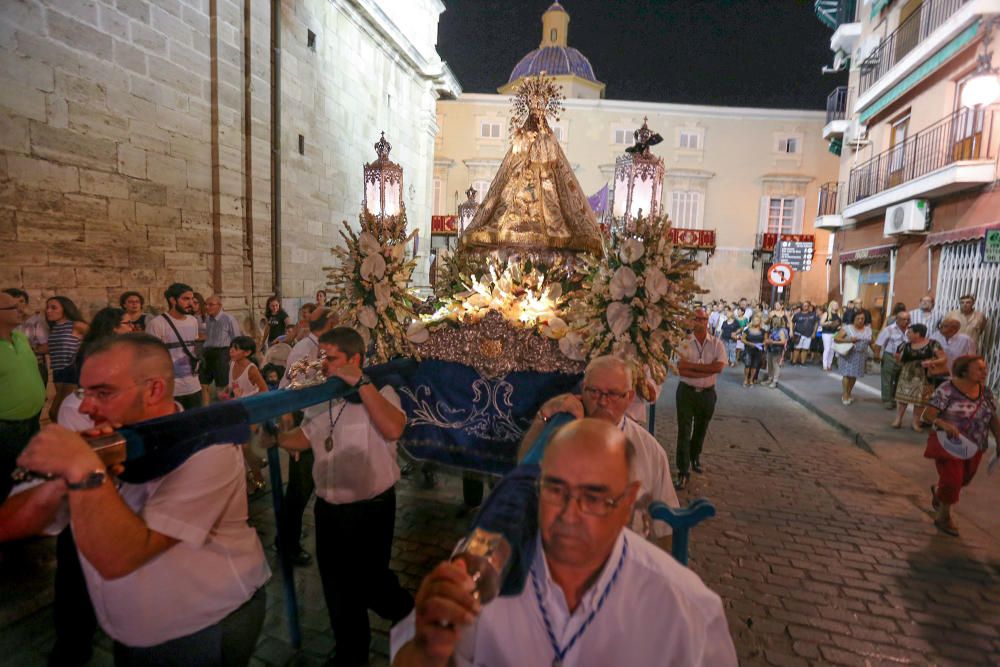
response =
{"points": [[133, 303], [200, 314], [66, 330], [275, 321], [729, 329], [829, 324], [852, 364], [753, 353], [246, 380], [915, 387], [742, 320], [779, 311], [777, 337], [321, 298], [962, 406]]}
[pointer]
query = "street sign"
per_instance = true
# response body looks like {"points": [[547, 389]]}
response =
{"points": [[797, 254], [780, 275], [991, 247]]}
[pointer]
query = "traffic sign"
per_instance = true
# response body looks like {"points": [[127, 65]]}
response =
{"points": [[797, 254], [780, 275]]}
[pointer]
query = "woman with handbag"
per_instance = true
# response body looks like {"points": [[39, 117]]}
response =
{"points": [[777, 337], [916, 356], [829, 324], [858, 336], [753, 353], [965, 411]]}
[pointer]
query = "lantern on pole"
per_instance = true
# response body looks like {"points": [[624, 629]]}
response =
{"points": [[383, 197], [467, 210], [638, 181]]}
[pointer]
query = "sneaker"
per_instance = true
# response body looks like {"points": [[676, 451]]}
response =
{"points": [[682, 481], [847, 401]]}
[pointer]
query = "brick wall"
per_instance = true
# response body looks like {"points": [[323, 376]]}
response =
{"points": [[115, 175]]}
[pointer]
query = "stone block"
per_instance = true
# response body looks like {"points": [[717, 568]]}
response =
{"points": [[114, 23], [86, 207], [148, 136], [157, 216], [147, 193], [168, 239], [191, 124], [170, 24], [122, 211], [22, 100], [199, 176], [87, 119], [189, 59], [8, 229], [14, 133], [103, 183], [102, 240], [83, 10], [32, 200], [131, 161], [130, 57], [72, 254], [167, 170], [141, 257], [47, 229], [57, 111], [49, 277], [137, 9], [79, 35], [92, 277], [28, 71], [23, 253], [184, 260], [73, 147], [11, 276], [42, 174], [178, 78]]}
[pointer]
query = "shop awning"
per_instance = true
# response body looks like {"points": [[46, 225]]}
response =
{"points": [[866, 254], [959, 235]]}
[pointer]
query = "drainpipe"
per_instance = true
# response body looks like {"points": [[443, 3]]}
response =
{"points": [[276, 146]]}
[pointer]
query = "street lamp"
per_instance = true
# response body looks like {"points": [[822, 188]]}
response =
{"points": [[638, 181], [984, 87], [467, 210], [383, 197]]}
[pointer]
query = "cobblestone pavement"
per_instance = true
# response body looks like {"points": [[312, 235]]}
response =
{"points": [[821, 552]]}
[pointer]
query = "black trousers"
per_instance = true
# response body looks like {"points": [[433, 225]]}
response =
{"points": [[14, 437], [74, 613], [215, 367], [297, 493], [353, 548], [189, 401], [694, 412]]}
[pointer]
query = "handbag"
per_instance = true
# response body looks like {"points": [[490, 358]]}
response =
{"points": [[195, 361], [843, 349]]}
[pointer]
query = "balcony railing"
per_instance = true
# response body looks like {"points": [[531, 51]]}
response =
{"points": [[925, 19], [836, 104], [834, 13], [829, 199], [964, 135]]}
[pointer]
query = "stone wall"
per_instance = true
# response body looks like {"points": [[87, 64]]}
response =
{"points": [[127, 159]]}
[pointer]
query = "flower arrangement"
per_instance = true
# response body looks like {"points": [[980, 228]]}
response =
{"points": [[636, 303], [369, 286]]}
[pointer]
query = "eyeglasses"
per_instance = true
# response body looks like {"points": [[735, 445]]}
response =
{"points": [[588, 502], [598, 394], [105, 395]]}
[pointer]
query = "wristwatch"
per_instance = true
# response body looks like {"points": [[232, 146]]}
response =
{"points": [[92, 480], [362, 381]]}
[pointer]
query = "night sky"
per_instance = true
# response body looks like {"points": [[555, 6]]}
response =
{"points": [[719, 52]]}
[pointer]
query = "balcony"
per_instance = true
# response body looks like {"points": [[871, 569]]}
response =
{"points": [[956, 153], [828, 208], [837, 113]]}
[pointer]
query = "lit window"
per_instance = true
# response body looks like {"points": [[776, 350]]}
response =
{"points": [[788, 145], [624, 136], [558, 131], [489, 130], [480, 187], [689, 140], [781, 215], [685, 210]]}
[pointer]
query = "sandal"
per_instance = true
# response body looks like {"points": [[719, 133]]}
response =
{"points": [[947, 526], [896, 424], [935, 503]]}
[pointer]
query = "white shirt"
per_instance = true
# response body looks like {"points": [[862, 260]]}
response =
{"points": [[709, 352], [185, 381], [308, 349], [217, 565], [361, 463], [657, 612], [70, 416], [925, 317], [651, 467], [957, 346], [890, 338]]}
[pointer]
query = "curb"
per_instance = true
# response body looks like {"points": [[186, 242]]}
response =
{"points": [[859, 440]]}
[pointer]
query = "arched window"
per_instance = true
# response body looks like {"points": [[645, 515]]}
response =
{"points": [[552, 35]]}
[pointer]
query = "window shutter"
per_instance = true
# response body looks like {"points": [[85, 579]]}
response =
{"points": [[799, 212], [762, 218]]}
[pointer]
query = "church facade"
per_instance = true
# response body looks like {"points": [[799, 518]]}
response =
{"points": [[742, 172]]}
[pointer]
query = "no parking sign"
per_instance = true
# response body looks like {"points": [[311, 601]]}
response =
{"points": [[780, 275]]}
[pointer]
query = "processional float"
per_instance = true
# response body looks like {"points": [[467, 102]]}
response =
{"points": [[535, 288]]}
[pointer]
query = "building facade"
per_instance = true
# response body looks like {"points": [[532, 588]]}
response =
{"points": [[739, 172], [916, 194], [136, 139]]}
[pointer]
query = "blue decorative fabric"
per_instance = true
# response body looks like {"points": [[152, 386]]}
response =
{"points": [[457, 417]]}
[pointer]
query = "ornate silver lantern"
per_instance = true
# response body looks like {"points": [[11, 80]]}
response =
{"points": [[467, 210], [383, 197], [638, 181]]}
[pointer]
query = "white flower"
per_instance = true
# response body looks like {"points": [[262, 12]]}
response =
{"points": [[624, 349], [619, 317], [657, 284], [373, 266], [383, 292], [556, 327], [397, 251], [623, 284], [571, 345], [632, 250], [554, 292], [417, 332], [366, 334], [368, 244], [367, 316], [653, 318]]}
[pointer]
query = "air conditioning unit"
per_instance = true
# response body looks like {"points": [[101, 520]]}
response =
{"points": [[867, 47], [910, 217]]}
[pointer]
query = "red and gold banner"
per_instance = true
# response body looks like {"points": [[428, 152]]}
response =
{"points": [[444, 224], [768, 242], [695, 239]]}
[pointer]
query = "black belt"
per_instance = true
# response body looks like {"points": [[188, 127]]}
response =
{"points": [[697, 389]]}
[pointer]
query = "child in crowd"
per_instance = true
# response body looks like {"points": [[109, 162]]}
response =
{"points": [[246, 380]]}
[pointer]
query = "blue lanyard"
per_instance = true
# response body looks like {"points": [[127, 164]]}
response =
{"points": [[560, 654]]}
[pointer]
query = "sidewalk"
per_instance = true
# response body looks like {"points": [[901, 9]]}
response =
{"points": [[867, 423]]}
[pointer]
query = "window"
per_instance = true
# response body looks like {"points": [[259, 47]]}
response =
{"points": [[558, 131], [788, 145], [438, 197], [302, 144], [624, 137], [781, 215], [489, 129], [897, 142], [685, 209], [480, 187], [689, 139], [553, 35], [311, 39]]}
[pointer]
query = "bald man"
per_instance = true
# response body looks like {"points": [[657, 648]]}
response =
{"points": [[174, 570], [597, 593]]}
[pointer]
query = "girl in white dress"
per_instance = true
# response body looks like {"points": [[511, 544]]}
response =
{"points": [[245, 380]]}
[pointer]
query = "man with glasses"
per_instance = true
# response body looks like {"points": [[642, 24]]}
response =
{"points": [[701, 358], [596, 593], [175, 572], [606, 394]]}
